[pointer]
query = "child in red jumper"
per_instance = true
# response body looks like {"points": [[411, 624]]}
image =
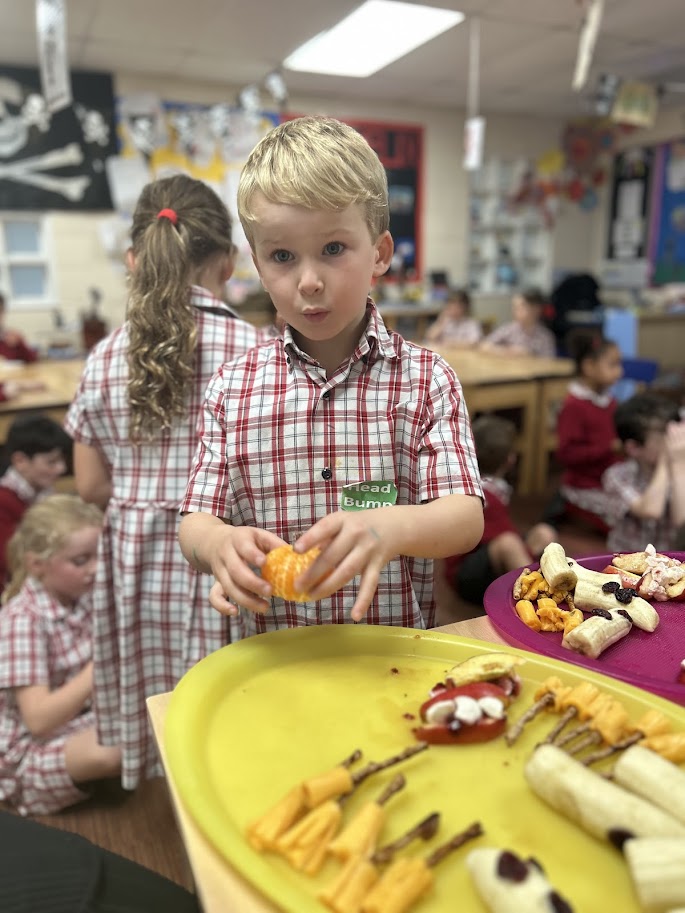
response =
{"points": [[587, 439], [502, 547], [36, 453], [12, 344]]}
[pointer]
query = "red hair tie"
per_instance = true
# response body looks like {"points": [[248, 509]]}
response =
{"points": [[169, 214]]}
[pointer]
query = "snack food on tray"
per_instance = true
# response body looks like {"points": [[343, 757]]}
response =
{"points": [[657, 867], [509, 884], [470, 705], [599, 806], [547, 600]]}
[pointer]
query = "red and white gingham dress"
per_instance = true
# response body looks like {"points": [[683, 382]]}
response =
{"points": [[152, 619], [41, 643], [280, 439]]}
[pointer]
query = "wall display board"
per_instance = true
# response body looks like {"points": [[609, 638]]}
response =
{"points": [[55, 160], [400, 149], [667, 228], [631, 185]]}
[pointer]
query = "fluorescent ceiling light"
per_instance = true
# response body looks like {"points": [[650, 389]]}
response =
{"points": [[371, 37]]}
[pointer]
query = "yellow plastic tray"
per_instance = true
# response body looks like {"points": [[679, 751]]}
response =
{"points": [[251, 720]]}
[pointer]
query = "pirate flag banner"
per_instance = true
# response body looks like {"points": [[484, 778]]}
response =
{"points": [[55, 160]]}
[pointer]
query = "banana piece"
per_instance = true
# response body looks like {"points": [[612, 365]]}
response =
{"points": [[595, 577], [509, 884], [555, 568], [596, 633], [647, 774], [599, 806], [485, 667], [657, 867], [588, 597]]}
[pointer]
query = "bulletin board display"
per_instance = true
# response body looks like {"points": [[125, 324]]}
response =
{"points": [[400, 150], [55, 159], [667, 224]]}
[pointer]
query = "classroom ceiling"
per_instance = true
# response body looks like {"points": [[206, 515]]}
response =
{"points": [[528, 48]]}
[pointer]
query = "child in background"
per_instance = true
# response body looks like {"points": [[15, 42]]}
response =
{"points": [[587, 439], [13, 346], [647, 490], [502, 548], [48, 744], [525, 334], [134, 421], [337, 401], [455, 327], [36, 453]]}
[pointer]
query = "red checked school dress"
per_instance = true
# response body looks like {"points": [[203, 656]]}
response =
{"points": [[41, 643], [152, 618], [280, 439]]}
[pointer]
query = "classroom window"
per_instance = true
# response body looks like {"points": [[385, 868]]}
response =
{"points": [[25, 275]]}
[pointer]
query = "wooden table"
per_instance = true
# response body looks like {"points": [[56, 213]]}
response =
{"points": [[220, 888], [491, 382], [421, 315], [60, 378]]}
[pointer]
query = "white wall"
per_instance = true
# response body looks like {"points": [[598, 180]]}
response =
{"points": [[82, 261]]}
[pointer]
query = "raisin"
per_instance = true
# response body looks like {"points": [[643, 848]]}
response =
{"points": [[618, 836], [510, 867], [625, 615], [625, 594], [603, 613], [558, 903], [610, 586]]}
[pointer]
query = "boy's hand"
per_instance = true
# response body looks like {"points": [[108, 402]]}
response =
{"points": [[233, 553], [351, 544]]}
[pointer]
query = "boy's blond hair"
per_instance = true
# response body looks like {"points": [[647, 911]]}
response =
{"points": [[318, 163]]}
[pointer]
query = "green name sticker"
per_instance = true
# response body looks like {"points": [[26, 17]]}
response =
{"points": [[368, 495]]}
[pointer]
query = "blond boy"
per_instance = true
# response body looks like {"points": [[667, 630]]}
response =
{"points": [[337, 401]]}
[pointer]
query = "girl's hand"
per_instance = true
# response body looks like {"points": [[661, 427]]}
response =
{"points": [[675, 443], [351, 543], [234, 553]]}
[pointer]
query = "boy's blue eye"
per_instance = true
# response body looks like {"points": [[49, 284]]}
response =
{"points": [[334, 248], [282, 256]]}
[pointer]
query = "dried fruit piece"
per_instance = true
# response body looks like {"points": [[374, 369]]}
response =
{"points": [[283, 566]]}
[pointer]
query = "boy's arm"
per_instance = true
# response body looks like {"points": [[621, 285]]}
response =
{"points": [[93, 481], [363, 542], [43, 711], [651, 505], [229, 553], [675, 449]]}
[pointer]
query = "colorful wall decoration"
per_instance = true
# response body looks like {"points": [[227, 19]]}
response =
{"points": [[400, 149], [667, 227], [55, 160]]}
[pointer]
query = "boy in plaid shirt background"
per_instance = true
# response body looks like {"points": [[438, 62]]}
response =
{"points": [[336, 401]]}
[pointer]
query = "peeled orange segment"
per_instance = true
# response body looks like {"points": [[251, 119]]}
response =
{"points": [[283, 566]]}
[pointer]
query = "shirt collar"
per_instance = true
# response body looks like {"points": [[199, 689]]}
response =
{"points": [[580, 391], [499, 486], [374, 339], [202, 298], [17, 483], [49, 608]]}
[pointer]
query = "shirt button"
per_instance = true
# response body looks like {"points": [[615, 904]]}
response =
{"points": [[327, 473], [327, 394]]}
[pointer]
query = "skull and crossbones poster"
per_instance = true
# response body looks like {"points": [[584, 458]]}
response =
{"points": [[55, 160]]}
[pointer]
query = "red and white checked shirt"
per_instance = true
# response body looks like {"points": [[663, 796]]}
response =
{"points": [[41, 643], [152, 618], [280, 439]]}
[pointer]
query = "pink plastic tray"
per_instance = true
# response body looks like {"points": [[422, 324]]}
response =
{"points": [[650, 661]]}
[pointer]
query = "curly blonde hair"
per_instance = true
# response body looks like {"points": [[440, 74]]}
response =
{"points": [[43, 530], [161, 324], [318, 163]]}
